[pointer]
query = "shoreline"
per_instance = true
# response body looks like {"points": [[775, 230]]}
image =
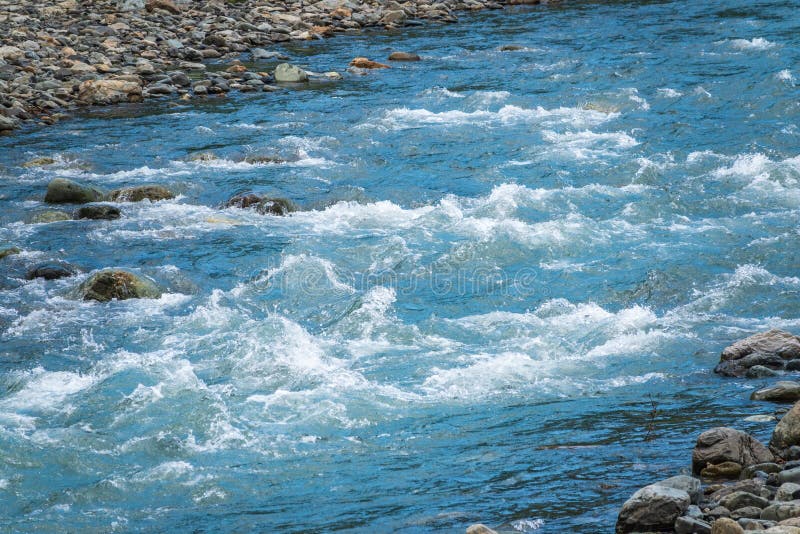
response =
{"points": [[56, 59]]}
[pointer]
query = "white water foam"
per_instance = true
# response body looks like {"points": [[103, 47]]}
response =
{"points": [[401, 118], [754, 44]]}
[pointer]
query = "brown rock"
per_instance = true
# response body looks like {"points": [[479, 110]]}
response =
{"points": [[341, 13], [724, 525], [723, 470], [723, 444], [166, 5], [364, 63], [403, 56]]}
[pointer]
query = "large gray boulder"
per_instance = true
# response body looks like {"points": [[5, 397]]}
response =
{"points": [[288, 73], [782, 391], [723, 444], [118, 284], [770, 349], [653, 508], [787, 431], [63, 191]]}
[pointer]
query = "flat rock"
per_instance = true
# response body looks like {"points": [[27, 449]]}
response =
{"points": [[782, 391], [50, 216], [404, 56]]}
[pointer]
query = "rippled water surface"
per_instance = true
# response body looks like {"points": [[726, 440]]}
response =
{"points": [[501, 261]]}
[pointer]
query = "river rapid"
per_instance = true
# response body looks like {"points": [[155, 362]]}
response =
{"points": [[500, 301]]}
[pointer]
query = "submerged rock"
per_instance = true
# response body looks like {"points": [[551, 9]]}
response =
{"points": [[365, 63], [783, 391], [38, 162], [98, 212], [263, 205], [50, 271], [118, 284], [288, 73], [723, 444], [50, 216], [8, 251], [478, 528], [138, 193], [63, 191], [770, 349], [653, 508]]}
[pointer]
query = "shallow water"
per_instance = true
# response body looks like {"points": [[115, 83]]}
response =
{"points": [[501, 262]]}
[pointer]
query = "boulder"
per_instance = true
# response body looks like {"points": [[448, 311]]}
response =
{"points": [[782, 391], [105, 92], [98, 212], [263, 205], [364, 63], [117, 284], [724, 525], [723, 444], [404, 56], [50, 216], [287, 73], [782, 510], [50, 271], [787, 431], [652, 508], [138, 193], [769, 349], [63, 191]]}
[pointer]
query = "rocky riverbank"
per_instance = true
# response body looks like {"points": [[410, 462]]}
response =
{"points": [[737, 484], [57, 56]]}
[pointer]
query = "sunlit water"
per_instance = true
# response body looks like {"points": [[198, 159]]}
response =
{"points": [[501, 261]]}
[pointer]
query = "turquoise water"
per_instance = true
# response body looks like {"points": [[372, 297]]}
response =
{"points": [[501, 261]]}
